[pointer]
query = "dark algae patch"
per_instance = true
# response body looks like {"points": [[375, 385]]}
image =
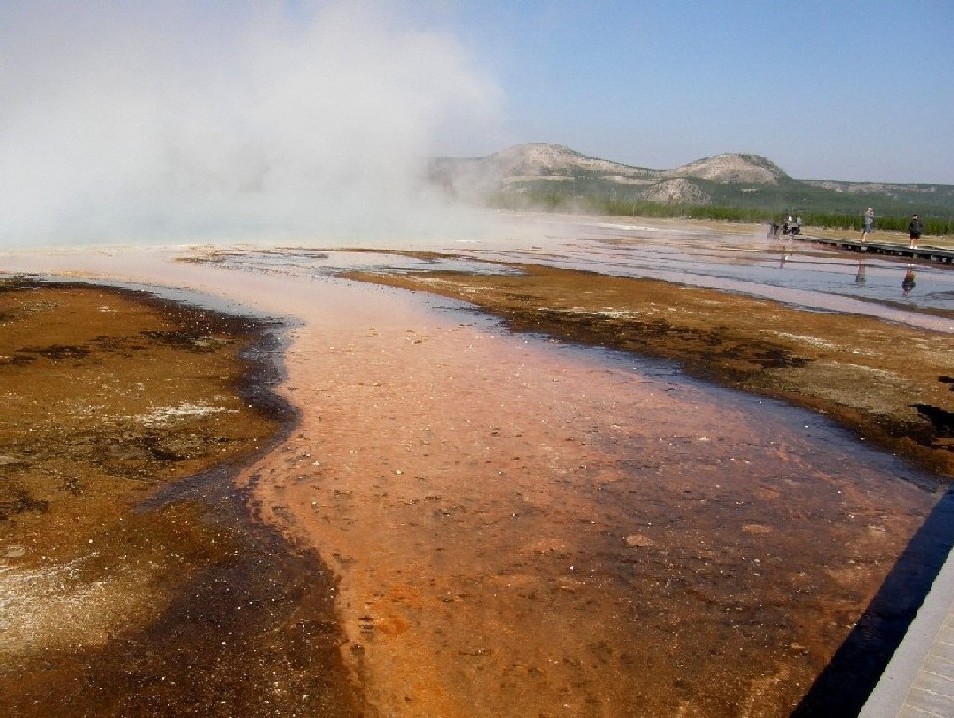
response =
{"points": [[132, 580]]}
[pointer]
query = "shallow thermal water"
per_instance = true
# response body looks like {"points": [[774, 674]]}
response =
{"points": [[784, 269], [523, 527], [706, 502]]}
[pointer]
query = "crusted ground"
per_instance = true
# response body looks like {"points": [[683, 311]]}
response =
{"points": [[124, 563]]}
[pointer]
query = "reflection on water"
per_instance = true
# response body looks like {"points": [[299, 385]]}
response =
{"points": [[788, 270], [860, 276], [315, 263], [909, 282]]}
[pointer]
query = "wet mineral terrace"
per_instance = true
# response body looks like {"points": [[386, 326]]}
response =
{"points": [[509, 524]]}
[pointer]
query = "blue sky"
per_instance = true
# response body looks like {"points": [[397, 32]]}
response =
{"points": [[833, 90], [177, 118]]}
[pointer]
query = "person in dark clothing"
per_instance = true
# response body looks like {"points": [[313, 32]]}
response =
{"points": [[915, 228]]}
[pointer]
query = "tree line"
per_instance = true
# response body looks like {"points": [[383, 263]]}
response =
{"points": [[559, 201]]}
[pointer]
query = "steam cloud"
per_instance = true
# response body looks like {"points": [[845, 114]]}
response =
{"points": [[240, 121]]}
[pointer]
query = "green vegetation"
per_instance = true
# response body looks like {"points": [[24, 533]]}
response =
{"points": [[817, 205]]}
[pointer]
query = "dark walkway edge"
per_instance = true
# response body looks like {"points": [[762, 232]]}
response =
{"points": [[924, 252], [919, 680], [850, 679]]}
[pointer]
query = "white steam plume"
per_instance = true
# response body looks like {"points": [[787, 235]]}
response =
{"points": [[239, 121]]}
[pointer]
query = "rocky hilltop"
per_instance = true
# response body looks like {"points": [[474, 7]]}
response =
{"points": [[541, 160], [516, 167], [556, 175], [732, 169]]}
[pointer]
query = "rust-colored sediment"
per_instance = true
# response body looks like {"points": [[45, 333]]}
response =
{"points": [[892, 384], [518, 528]]}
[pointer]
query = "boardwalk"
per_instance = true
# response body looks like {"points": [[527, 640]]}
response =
{"points": [[924, 252], [919, 680]]}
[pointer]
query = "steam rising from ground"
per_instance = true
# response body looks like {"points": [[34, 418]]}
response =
{"points": [[241, 121]]}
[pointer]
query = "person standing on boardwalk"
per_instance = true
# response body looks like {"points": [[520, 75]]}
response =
{"points": [[868, 224], [915, 228]]}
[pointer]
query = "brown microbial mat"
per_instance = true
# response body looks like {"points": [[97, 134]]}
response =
{"points": [[132, 581]]}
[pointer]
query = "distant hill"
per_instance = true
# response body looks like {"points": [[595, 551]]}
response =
{"points": [[733, 169], [549, 175]]}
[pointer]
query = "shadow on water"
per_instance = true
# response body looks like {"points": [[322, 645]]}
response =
{"points": [[845, 684]]}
